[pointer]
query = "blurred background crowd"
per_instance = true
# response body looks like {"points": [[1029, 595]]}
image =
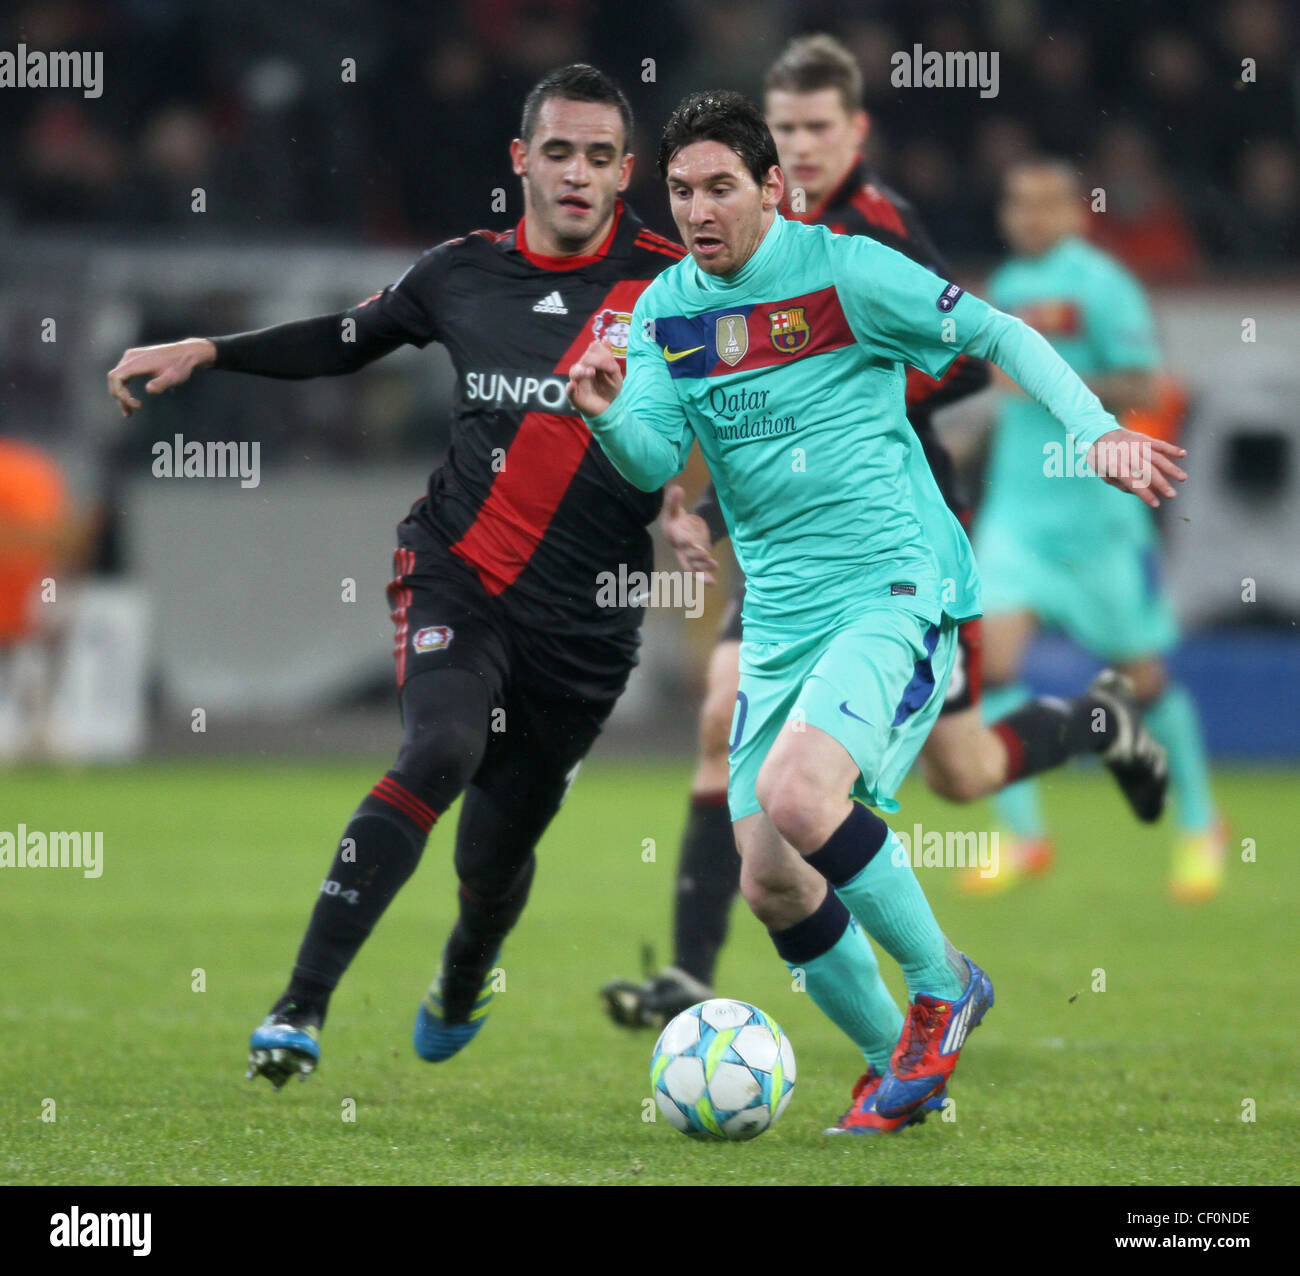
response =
{"points": [[247, 100]]}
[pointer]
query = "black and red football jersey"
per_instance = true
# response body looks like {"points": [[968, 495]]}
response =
{"points": [[525, 498]]}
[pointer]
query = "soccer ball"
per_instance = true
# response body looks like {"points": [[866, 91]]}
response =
{"points": [[722, 1070]]}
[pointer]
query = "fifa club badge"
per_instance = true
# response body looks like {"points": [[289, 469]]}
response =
{"points": [[613, 326], [790, 331], [432, 638], [731, 336]]}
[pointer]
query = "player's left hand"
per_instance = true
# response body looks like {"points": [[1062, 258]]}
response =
{"points": [[1135, 462], [688, 534], [595, 380]]}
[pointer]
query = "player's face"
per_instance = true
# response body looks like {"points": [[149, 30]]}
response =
{"points": [[720, 211], [816, 138], [1039, 208], [573, 170]]}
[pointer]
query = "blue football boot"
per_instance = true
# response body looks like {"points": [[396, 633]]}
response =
{"points": [[435, 1037], [933, 1034], [285, 1044]]}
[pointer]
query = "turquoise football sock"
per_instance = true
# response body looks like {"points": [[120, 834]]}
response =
{"points": [[1173, 721], [830, 956], [1017, 805], [889, 902]]}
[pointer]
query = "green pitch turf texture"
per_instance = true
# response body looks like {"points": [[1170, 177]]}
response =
{"points": [[215, 868]]}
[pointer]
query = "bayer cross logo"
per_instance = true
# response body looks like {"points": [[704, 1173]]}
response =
{"points": [[731, 335]]}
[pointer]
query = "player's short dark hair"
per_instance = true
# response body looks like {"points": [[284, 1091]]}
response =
{"points": [[810, 63], [576, 83], [719, 115]]}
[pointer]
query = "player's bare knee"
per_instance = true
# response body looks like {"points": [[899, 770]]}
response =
{"points": [[767, 892], [754, 895], [790, 801]]}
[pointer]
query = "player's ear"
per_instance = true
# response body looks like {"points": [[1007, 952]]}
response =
{"points": [[518, 156], [625, 171], [773, 187]]}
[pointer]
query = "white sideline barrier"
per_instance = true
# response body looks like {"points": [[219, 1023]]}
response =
{"points": [[248, 585], [77, 692]]}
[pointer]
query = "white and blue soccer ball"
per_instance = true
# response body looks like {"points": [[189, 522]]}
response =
{"points": [[722, 1070]]}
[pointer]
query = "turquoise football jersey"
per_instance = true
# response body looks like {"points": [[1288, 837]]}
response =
{"points": [[790, 373], [1095, 316]]}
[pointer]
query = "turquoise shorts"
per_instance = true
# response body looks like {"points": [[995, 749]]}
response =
{"points": [[874, 680], [1105, 593]]}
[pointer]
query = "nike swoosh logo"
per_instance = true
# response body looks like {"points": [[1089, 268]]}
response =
{"points": [[844, 709], [680, 354]]}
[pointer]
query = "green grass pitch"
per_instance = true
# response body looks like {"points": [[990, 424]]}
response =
{"points": [[215, 869]]}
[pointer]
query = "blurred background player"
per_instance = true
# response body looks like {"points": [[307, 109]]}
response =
{"points": [[1108, 597], [812, 102]]}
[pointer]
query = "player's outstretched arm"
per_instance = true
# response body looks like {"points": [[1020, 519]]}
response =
{"points": [[332, 345], [893, 307], [324, 346], [165, 366]]}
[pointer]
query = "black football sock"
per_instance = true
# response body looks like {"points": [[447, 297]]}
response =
{"points": [[476, 939], [1045, 732], [379, 851], [708, 879], [444, 716], [305, 1000]]}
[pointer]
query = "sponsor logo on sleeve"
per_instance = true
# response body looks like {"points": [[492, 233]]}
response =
{"points": [[949, 297]]}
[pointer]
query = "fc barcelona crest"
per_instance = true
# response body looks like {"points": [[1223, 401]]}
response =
{"points": [[731, 336], [790, 331]]}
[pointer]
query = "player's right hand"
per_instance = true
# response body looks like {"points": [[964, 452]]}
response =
{"points": [[688, 534], [595, 380], [165, 365]]}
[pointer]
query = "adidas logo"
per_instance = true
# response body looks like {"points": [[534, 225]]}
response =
{"points": [[958, 1029], [551, 304]]}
